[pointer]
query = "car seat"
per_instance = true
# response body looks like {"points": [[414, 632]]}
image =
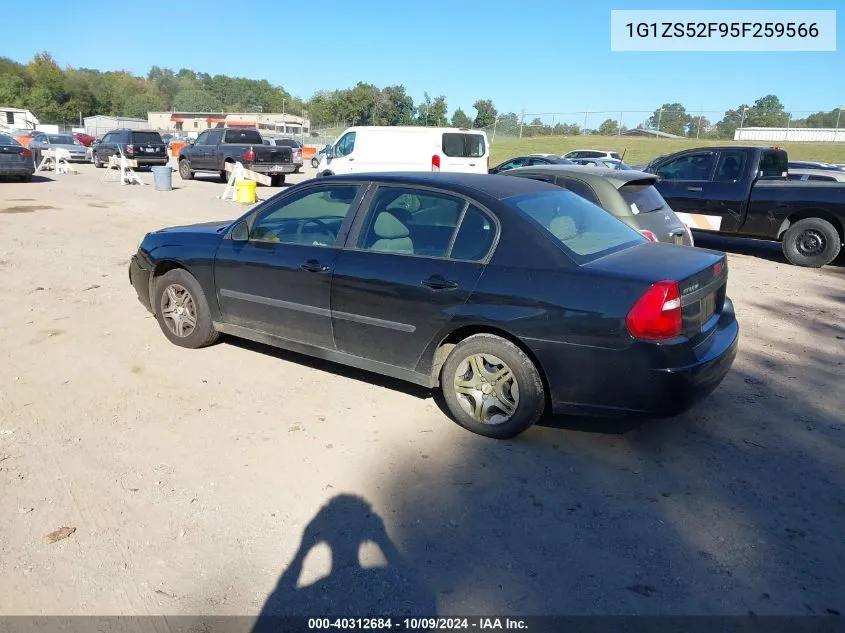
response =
{"points": [[393, 236]]}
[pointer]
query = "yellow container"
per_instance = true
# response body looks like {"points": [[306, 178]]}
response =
{"points": [[245, 191]]}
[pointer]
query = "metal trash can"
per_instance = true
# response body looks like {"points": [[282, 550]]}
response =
{"points": [[163, 178]]}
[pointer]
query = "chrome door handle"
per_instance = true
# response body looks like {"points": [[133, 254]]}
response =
{"points": [[694, 189]]}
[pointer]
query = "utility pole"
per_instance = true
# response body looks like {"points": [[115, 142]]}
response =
{"points": [[584, 131], [521, 122], [495, 123], [619, 126], [659, 117], [838, 114], [698, 133]]}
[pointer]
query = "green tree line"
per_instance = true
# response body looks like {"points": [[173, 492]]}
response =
{"points": [[60, 95]]}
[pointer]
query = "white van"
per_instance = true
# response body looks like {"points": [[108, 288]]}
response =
{"points": [[374, 148]]}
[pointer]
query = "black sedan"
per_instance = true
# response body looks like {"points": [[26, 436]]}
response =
{"points": [[529, 161], [509, 294], [15, 159]]}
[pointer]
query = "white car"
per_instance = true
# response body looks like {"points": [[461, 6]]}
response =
{"points": [[379, 149], [592, 153]]}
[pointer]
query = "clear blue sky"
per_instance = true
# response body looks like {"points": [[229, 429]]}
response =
{"points": [[544, 55]]}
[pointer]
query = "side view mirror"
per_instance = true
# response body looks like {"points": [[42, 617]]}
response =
{"points": [[240, 232]]}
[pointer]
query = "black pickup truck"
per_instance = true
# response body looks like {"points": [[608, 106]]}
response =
{"points": [[216, 147], [744, 192]]}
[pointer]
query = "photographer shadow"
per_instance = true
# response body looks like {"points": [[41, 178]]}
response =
{"points": [[345, 524]]}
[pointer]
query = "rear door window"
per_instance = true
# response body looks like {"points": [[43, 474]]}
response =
{"points": [[584, 231], [145, 138], [731, 165], [773, 163], [460, 145]]}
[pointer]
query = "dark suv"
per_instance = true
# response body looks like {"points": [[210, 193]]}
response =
{"points": [[144, 146]]}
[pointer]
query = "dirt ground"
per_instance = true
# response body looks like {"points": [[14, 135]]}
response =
{"points": [[191, 478]]}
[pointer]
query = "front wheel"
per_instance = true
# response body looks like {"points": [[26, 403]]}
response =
{"points": [[185, 172], [182, 310], [97, 162], [811, 243], [491, 387]]}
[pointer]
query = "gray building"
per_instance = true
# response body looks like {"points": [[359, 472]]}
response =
{"points": [[100, 124]]}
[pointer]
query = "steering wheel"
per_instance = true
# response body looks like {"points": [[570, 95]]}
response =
{"points": [[325, 229]]}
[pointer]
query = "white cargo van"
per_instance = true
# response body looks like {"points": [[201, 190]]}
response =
{"points": [[373, 149]]}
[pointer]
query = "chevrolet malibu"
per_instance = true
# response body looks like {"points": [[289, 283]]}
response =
{"points": [[512, 296]]}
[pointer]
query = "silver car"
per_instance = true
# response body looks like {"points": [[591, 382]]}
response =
{"points": [[40, 142], [816, 175], [295, 149]]}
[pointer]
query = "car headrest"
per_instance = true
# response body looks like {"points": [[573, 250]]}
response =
{"points": [[389, 228], [563, 227]]}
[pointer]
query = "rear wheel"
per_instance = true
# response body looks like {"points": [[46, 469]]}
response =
{"points": [[811, 243], [182, 311], [491, 387], [277, 181], [185, 172]]}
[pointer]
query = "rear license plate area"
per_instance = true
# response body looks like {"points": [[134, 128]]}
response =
{"points": [[708, 307]]}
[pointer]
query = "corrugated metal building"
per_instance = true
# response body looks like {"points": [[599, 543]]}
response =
{"points": [[100, 124], [796, 134]]}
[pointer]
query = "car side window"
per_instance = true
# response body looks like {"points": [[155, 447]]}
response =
{"points": [[579, 188], [411, 222], [106, 139], [512, 164], [346, 145], [475, 236], [214, 137], [313, 217], [202, 139], [730, 166], [688, 167]]}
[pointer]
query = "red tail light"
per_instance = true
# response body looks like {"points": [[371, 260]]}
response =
{"points": [[249, 155], [130, 149], [298, 153], [717, 269], [657, 314], [435, 162], [26, 153], [649, 235]]}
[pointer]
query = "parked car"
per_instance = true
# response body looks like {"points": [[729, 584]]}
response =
{"points": [[40, 142], [15, 159], [806, 164], [592, 153], [506, 293], [86, 139], [385, 149], [529, 161], [816, 175], [628, 195], [315, 160], [609, 163], [144, 146], [744, 192], [216, 147], [295, 146]]}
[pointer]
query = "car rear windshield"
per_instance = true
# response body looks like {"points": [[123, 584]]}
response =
{"points": [[642, 198], [7, 140], [457, 145], [584, 230], [287, 142], [774, 163], [146, 137], [243, 137], [57, 139]]}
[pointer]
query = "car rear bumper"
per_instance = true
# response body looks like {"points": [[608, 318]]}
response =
{"points": [[139, 277], [643, 379], [272, 170], [17, 170], [150, 161]]}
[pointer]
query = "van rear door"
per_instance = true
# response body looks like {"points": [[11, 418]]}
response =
{"points": [[464, 151]]}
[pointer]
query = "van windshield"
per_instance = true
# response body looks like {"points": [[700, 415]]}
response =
{"points": [[584, 230], [459, 145]]}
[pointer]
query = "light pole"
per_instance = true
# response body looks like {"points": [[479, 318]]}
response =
{"points": [[838, 114]]}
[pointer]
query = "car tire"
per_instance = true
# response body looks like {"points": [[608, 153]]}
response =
{"points": [[185, 172], [296, 171], [501, 407], [192, 326], [26, 178], [811, 243], [97, 163], [224, 175], [315, 163], [277, 181]]}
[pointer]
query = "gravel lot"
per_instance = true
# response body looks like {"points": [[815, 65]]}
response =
{"points": [[191, 477]]}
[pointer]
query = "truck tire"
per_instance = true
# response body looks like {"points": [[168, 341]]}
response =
{"points": [[185, 172], [277, 181], [811, 243]]}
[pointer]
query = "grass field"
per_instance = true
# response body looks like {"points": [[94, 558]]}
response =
{"points": [[641, 150]]}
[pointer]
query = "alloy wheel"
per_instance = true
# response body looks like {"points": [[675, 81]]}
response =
{"points": [[179, 310]]}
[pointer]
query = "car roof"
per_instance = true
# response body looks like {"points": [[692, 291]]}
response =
{"points": [[618, 177], [829, 173], [495, 186]]}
